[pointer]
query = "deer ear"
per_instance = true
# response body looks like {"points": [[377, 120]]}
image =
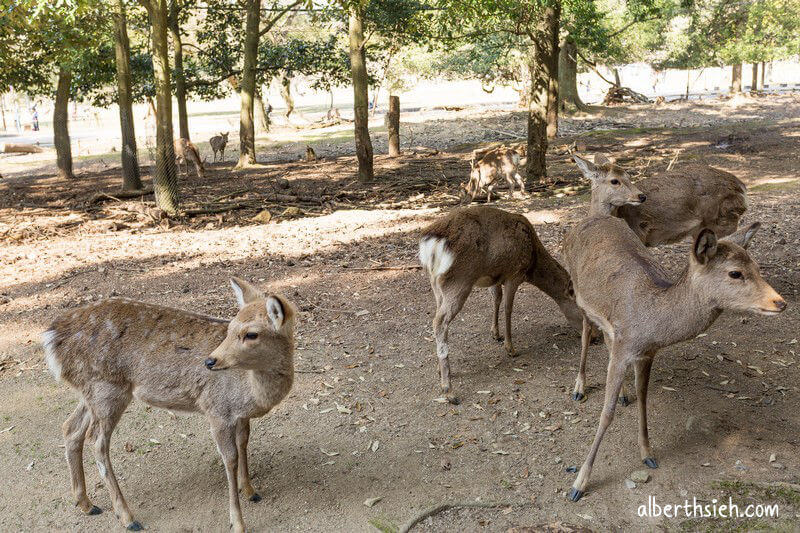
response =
{"points": [[586, 167], [743, 236], [276, 312], [705, 246], [245, 292], [602, 159]]}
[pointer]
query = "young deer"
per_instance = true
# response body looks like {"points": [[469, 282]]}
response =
{"points": [[486, 247], [486, 173], [118, 349], [186, 151], [218, 143], [683, 202], [623, 289], [611, 186]]}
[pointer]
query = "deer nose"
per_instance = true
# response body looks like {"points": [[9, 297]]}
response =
{"points": [[780, 305], [642, 197], [210, 362]]}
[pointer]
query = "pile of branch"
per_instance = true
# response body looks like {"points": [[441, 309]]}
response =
{"points": [[618, 95], [119, 195]]}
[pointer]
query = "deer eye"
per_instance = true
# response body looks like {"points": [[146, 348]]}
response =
{"points": [[735, 274], [251, 335], [615, 181]]}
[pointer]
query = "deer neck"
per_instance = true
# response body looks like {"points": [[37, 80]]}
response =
{"points": [[599, 207], [682, 311], [269, 387]]}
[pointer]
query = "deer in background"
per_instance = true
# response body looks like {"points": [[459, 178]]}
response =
{"points": [[486, 247], [487, 171], [218, 143], [118, 349], [680, 203], [621, 288], [186, 151]]}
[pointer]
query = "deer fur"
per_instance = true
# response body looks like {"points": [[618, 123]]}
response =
{"points": [[485, 174], [611, 185], [621, 288], [683, 202], [486, 247], [119, 349], [186, 151], [218, 143]]}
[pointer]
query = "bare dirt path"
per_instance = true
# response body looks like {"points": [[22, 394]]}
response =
{"points": [[720, 405]]}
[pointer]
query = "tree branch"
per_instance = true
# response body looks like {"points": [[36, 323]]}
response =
{"points": [[271, 22]]}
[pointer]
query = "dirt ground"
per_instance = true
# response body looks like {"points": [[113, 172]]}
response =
{"points": [[720, 405]]}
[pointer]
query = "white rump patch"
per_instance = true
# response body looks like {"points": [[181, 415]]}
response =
{"points": [[50, 356], [434, 256]]}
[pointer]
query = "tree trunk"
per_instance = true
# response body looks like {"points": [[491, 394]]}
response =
{"points": [[736, 78], [247, 84], [131, 180], [763, 75], [358, 67], [553, 18], [754, 83], [393, 125], [165, 178], [568, 76], [262, 115], [60, 124], [541, 66], [180, 77]]}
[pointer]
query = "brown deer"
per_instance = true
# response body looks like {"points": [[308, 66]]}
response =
{"points": [[611, 186], [486, 247], [118, 349], [186, 151], [486, 173], [683, 202], [621, 288], [218, 143]]}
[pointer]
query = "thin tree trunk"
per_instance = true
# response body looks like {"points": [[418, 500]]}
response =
{"points": [[553, 20], [3, 110], [180, 76], [262, 116], [763, 75], [754, 83], [617, 81], [247, 83], [60, 124], [131, 179], [165, 178], [568, 76], [736, 78], [540, 63], [360, 93], [393, 125]]}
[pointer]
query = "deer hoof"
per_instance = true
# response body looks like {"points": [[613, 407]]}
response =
{"points": [[453, 399], [135, 526], [256, 497], [651, 462], [578, 396], [624, 401], [574, 494], [94, 510]]}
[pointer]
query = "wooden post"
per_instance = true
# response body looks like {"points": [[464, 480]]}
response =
{"points": [[394, 126]]}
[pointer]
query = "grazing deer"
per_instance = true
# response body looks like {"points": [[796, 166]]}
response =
{"points": [[626, 292], [486, 247], [218, 143], [683, 202], [118, 349], [186, 151], [486, 172]]}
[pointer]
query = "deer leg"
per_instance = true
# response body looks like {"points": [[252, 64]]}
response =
{"points": [[242, 438], [511, 289], [437, 292], [452, 302], [642, 370], [108, 402], [510, 182], [614, 378], [74, 430], [520, 182], [579, 392], [497, 297], [225, 437]]}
